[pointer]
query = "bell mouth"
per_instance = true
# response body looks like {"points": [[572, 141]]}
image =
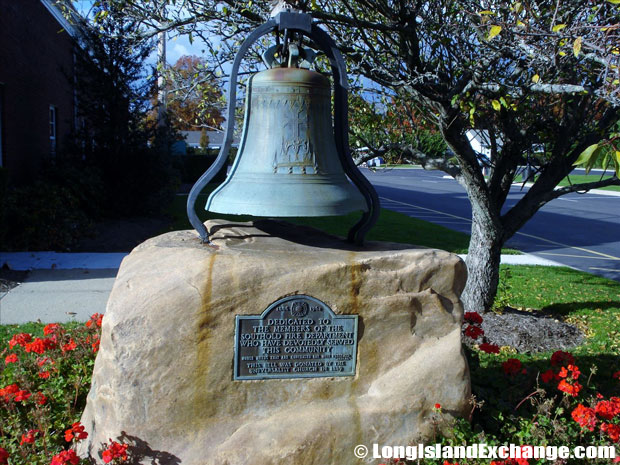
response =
{"points": [[292, 196]]}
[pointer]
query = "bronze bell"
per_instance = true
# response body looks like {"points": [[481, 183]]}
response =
{"points": [[287, 163], [294, 157]]}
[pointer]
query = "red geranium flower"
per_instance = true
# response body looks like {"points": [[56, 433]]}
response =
{"points": [[28, 438], [65, 457], [69, 346], [40, 345], [585, 416], [607, 409], [12, 392], [613, 431], [40, 398], [571, 370], [20, 339], [560, 358], [570, 389], [574, 371], [22, 396], [44, 374], [489, 348], [4, 456], [512, 366], [95, 319], [473, 318], [114, 451], [11, 358], [437, 406], [9, 391], [76, 431], [51, 328], [473, 331]]}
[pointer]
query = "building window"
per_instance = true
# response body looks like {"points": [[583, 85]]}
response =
{"points": [[53, 120]]}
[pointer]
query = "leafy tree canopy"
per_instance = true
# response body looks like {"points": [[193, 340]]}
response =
{"points": [[523, 73]]}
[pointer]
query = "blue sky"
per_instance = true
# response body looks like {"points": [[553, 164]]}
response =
{"points": [[176, 46]]}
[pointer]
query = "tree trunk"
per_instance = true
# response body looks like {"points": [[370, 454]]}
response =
{"points": [[482, 261]]}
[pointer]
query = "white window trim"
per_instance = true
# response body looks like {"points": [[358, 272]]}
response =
{"points": [[53, 121]]}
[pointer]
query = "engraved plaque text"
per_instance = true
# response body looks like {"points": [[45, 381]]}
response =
{"points": [[296, 337]]}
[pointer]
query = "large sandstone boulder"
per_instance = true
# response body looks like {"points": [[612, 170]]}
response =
{"points": [[163, 379]]}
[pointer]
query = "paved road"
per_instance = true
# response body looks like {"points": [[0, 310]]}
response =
{"points": [[579, 230]]}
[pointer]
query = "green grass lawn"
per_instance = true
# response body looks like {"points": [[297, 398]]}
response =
{"points": [[580, 179]]}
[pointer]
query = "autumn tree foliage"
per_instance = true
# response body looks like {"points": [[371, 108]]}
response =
{"points": [[193, 95]]}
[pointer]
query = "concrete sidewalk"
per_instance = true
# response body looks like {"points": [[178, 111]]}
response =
{"points": [[57, 296], [63, 287], [59, 287]]}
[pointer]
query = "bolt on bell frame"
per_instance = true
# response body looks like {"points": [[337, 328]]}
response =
{"points": [[301, 23]]}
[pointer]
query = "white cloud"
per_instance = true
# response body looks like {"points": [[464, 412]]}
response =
{"points": [[176, 51]]}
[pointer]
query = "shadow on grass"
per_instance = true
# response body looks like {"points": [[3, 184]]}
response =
{"points": [[558, 291], [566, 308]]}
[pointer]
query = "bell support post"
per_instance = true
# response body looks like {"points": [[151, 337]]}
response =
{"points": [[299, 22]]}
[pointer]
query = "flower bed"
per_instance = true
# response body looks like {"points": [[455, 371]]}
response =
{"points": [[44, 380]]}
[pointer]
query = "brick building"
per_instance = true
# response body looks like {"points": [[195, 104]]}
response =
{"points": [[37, 100]]}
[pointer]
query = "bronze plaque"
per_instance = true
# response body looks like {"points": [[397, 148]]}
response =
{"points": [[296, 337]]}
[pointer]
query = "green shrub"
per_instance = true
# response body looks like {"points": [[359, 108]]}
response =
{"points": [[42, 216], [138, 183]]}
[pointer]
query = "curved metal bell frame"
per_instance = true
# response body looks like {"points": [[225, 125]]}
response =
{"points": [[270, 176]]}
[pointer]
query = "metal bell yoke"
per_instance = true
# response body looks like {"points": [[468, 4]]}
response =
{"points": [[290, 162]]}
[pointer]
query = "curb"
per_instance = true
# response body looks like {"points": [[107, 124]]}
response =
{"points": [[24, 261]]}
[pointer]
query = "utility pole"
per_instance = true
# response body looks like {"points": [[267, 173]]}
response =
{"points": [[162, 100]]}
